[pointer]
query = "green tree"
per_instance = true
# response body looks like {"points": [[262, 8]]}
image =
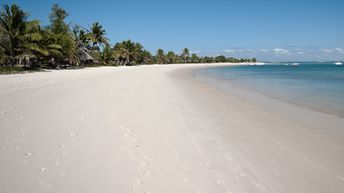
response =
{"points": [[57, 17], [160, 56], [12, 26], [221, 59], [58, 35], [97, 36], [128, 52], [208, 59], [185, 55], [146, 57], [32, 46], [81, 36], [171, 57], [194, 58], [106, 55]]}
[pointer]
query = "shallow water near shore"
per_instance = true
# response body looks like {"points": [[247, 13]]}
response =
{"points": [[318, 86]]}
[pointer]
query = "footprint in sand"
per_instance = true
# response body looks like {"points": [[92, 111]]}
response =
{"points": [[43, 170], [185, 179], [341, 178], [138, 182], [61, 146], [28, 154], [219, 182], [148, 173], [44, 184], [228, 156], [73, 134], [144, 164]]}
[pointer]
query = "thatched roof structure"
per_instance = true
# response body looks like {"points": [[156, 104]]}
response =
{"points": [[84, 55]]}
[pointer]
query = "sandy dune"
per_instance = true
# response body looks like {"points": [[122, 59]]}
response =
{"points": [[155, 129]]}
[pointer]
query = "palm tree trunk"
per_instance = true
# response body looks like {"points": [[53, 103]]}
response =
{"points": [[127, 60]]}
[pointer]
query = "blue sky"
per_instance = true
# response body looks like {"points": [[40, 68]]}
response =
{"points": [[276, 30]]}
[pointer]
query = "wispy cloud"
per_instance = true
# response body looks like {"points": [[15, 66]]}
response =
{"points": [[327, 50], [230, 51], [333, 50], [300, 52], [195, 52], [290, 53], [281, 51], [239, 51], [339, 50]]}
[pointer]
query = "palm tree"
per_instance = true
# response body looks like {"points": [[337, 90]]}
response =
{"points": [[194, 58], [128, 52], [12, 27], [146, 57], [31, 43], [97, 35], [160, 56], [81, 36], [171, 56], [107, 55], [186, 54]]}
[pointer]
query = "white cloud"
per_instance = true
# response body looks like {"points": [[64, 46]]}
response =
{"points": [[195, 52], [264, 50], [327, 50], [300, 52], [281, 51], [230, 51], [239, 50], [332, 51], [339, 50]]}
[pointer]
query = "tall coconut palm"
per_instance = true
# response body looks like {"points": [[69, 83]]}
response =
{"points": [[146, 57], [128, 52], [81, 37], [160, 56], [171, 57], [97, 35], [106, 55], [50, 43], [194, 58], [185, 55], [12, 27], [31, 43]]}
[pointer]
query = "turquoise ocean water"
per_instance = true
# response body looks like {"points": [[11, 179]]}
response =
{"points": [[319, 86]]}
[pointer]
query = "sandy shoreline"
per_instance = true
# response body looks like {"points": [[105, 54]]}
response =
{"points": [[156, 129]]}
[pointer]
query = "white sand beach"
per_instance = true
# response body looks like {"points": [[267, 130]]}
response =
{"points": [[156, 129]]}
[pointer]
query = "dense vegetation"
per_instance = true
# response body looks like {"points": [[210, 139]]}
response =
{"points": [[27, 44]]}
